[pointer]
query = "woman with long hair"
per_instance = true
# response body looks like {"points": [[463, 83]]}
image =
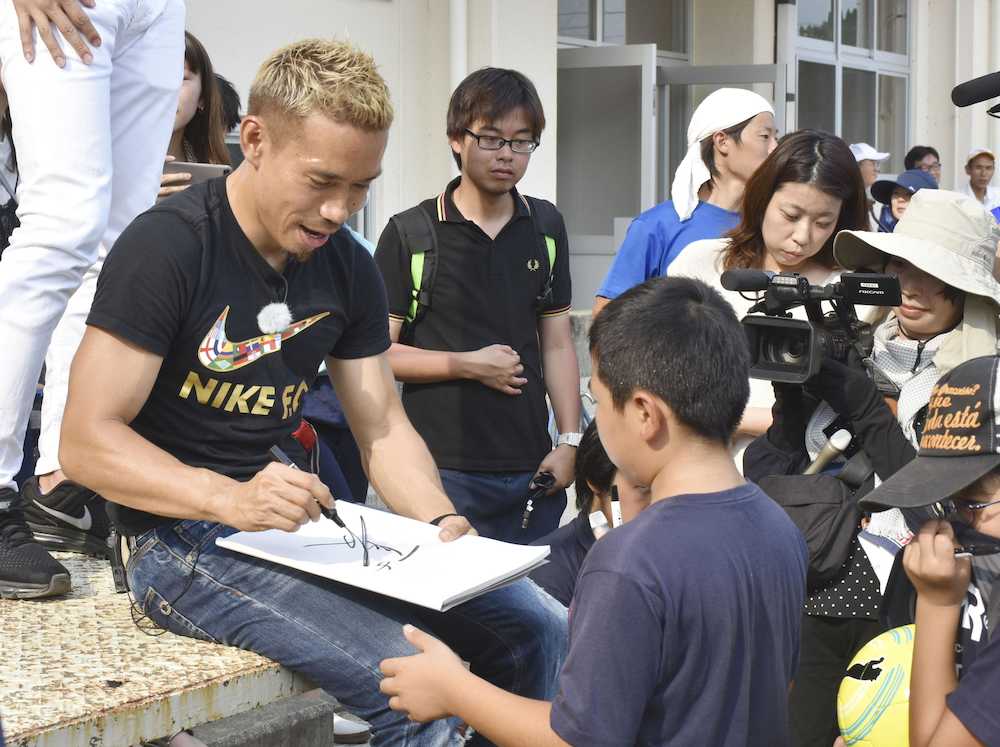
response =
{"points": [[199, 134], [806, 191]]}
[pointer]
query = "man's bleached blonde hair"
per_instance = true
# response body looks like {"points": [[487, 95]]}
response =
{"points": [[322, 76]]}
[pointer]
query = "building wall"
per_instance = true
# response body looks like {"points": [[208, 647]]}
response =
{"points": [[410, 42]]}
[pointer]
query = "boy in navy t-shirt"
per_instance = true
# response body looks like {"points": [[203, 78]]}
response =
{"points": [[684, 628]]}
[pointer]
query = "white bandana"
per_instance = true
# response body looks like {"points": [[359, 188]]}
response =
{"points": [[721, 109]]}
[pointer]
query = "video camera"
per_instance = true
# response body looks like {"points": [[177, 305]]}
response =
{"points": [[791, 350]]}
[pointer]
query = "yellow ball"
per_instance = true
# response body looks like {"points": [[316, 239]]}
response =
{"points": [[874, 699]]}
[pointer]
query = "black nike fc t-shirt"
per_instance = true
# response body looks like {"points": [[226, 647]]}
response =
{"points": [[184, 282]]}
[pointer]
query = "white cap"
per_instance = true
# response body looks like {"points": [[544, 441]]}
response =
{"points": [[979, 152], [864, 152]]}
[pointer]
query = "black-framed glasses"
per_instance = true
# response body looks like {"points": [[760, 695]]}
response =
{"points": [[492, 142]]}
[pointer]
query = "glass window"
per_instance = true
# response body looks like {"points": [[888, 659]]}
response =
{"points": [[856, 23], [858, 113], [663, 23], [817, 83], [614, 22], [816, 19], [891, 31], [892, 121], [576, 19]]}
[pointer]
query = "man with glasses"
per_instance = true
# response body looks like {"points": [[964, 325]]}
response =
{"points": [[479, 297], [954, 561], [925, 158]]}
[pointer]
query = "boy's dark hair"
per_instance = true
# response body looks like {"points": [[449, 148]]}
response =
{"points": [[490, 94], [918, 153], [804, 157], [679, 340], [708, 144], [593, 468]]}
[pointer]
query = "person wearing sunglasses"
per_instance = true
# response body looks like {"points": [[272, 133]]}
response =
{"points": [[953, 562]]}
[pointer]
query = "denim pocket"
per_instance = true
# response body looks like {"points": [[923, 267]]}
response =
{"points": [[160, 611], [196, 534]]}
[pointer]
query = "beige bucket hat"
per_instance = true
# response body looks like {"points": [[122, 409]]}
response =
{"points": [[948, 235]]}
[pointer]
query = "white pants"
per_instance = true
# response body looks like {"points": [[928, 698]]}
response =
{"points": [[90, 143]]}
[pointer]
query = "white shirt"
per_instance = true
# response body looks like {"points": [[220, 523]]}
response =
{"points": [[992, 195]]}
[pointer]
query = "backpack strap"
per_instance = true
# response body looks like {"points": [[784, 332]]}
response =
{"points": [[419, 239], [548, 223]]}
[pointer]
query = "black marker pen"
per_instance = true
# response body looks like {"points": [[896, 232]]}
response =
{"points": [[330, 513]]}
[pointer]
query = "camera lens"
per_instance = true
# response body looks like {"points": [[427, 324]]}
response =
{"points": [[789, 348]]}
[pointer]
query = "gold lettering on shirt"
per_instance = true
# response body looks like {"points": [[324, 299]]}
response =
{"points": [[201, 390], [240, 398], [264, 402]]}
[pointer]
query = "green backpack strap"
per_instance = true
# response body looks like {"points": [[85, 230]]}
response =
{"points": [[548, 223], [419, 239]]}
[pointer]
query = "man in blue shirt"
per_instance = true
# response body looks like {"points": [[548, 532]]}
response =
{"points": [[731, 133]]}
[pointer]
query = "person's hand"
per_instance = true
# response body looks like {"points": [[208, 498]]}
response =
{"points": [[420, 684], [561, 463], [277, 497], [453, 527], [171, 183], [65, 15], [939, 577], [498, 367], [847, 389]]}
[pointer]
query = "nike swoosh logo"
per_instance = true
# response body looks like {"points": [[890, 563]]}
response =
{"points": [[218, 353], [83, 524]]}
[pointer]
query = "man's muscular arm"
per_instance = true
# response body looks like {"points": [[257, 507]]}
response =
{"points": [[394, 456], [109, 383]]}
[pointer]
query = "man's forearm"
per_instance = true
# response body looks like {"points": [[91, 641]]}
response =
{"points": [[122, 466], [403, 473], [562, 383], [933, 672], [418, 366], [506, 719]]}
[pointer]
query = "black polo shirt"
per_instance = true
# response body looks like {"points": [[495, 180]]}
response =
{"points": [[486, 292]]}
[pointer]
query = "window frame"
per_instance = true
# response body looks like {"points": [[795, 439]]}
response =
{"points": [[597, 11], [840, 55]]}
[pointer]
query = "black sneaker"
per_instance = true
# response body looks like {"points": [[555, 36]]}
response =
{"points": [[70, 517], [27, 571]]}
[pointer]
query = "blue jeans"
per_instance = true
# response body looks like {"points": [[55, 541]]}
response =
{"points": [[494, 503], [336, 635]]}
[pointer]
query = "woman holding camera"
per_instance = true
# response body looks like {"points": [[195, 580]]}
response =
{"points": [[942, 251], [806, 191]]}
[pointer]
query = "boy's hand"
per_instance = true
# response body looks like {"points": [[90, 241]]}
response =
{"points": [[419, 684], [939, 577]]}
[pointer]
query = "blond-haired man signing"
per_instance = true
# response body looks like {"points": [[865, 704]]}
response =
{"points": [[180, 389]]}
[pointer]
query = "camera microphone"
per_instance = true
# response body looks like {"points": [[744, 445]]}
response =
{"points": [[976, 90], [746, 280], [836, 446]]}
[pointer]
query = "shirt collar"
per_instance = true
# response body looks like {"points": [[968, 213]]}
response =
{"points": [[448, 212]]}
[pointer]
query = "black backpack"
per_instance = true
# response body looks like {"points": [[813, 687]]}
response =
{"points": [[419, 238], [825, 509]]}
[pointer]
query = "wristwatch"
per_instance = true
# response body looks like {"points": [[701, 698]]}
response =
{"points": [[569, 439]]}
